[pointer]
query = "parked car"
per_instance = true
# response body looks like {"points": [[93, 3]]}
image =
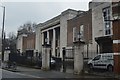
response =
{"points": [[102, 61], [52, 62]]}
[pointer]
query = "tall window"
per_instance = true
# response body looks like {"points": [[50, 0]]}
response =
{"points": [[74, 34], [82, 31], [106, 15]]}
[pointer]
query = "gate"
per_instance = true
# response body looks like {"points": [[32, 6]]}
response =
{"points": [[68, 60]]}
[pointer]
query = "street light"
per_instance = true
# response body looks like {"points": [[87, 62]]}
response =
{"points": [[79, 36], [3, 32]]}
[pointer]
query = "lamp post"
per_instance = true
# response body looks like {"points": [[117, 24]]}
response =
{"points": [[3, 32], [79, 36]]}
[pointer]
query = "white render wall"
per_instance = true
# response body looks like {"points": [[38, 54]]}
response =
{"points": [[6, 55], [38, 43], [20, 42]]}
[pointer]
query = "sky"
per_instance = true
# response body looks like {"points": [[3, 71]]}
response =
{"points": [[18, 13]]}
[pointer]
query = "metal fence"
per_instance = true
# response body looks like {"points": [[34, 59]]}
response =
{"points": [[68, 60], [69, 54], [90, 54]]}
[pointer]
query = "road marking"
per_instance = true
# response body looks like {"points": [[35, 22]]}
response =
{"points": [[23, 74]]}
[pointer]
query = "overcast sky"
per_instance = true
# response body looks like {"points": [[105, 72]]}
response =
{"points": [[18, 13]]}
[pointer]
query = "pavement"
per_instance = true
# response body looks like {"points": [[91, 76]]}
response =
{"points": [[38, 73], [25, 72], [103, 73], [43, 74]]}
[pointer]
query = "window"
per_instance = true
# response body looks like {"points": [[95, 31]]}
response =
{"points": [[82, 31], [106, 15], [97, 57], [74, 34]]}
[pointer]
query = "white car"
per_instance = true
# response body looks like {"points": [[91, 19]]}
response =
{"points": [[103, 61]]}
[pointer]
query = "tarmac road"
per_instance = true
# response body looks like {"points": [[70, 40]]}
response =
{"points": [[36, 74]]}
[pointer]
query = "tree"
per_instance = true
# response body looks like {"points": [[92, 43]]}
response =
{"points": [[12, 42], [12, 36], [26, 28]]}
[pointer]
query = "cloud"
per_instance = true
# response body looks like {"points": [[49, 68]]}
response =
{"points": [[18, 13], [45, 0]]}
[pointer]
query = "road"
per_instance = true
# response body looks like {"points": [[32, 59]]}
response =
{"points": [[36, 74], [9, 74]]}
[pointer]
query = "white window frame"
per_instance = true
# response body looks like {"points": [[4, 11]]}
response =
{"points": [[106, 23], [82, 31], [74, 34]]}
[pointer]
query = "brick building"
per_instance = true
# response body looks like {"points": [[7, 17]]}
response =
{"points": [[55, 30], [102, 30], [82, 24], [29, 42], [116, 35], [26, 42]]}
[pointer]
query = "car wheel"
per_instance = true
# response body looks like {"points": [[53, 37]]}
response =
{"points": [[110, 68]]}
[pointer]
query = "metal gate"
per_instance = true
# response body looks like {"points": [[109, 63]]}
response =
{"points": [[68, 60]]}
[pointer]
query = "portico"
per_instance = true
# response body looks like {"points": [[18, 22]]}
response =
{"points": [[53, 38], [55, 31]]}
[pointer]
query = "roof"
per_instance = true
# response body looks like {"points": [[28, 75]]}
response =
{"points": [[57, 18]]}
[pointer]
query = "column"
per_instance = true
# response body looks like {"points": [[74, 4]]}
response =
{"points": [[54, 42], [42, 38], [48, 37], [46, 57], [78, 58]]}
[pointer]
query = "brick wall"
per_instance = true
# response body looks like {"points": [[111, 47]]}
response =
{"points": [[83, 19], [29, 42]]}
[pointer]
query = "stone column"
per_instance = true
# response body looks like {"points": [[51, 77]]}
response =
{"points": [[42, 38], [78, 58], [46, 57], [54, 42], [48, 37], [38, 42]]}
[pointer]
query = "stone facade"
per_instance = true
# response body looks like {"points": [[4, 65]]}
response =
{"points": [[99, 37], [55, 30]]}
